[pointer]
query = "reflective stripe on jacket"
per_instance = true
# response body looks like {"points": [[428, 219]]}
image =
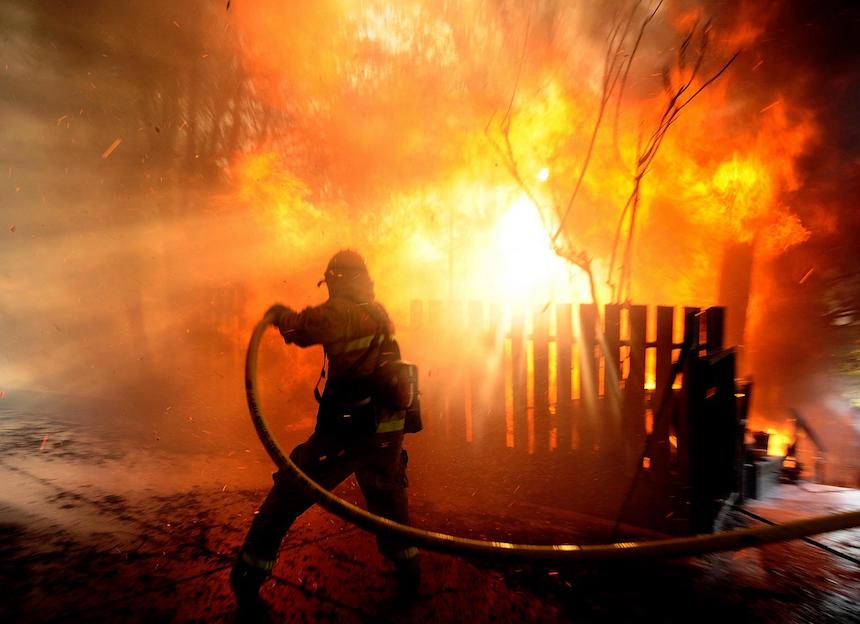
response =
{"points": [[346, 329]]}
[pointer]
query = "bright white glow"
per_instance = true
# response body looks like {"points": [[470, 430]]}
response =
{"points": [[543, 175], [529, 267]]}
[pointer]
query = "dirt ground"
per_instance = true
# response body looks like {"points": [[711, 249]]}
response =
{"points": [[96, 528]]}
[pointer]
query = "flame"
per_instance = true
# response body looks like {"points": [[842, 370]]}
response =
{"points": [[276, 194], [395, 113], [738, 201], [778, 443]]}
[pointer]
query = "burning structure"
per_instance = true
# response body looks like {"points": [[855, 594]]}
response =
{"points": [[516, 173]]}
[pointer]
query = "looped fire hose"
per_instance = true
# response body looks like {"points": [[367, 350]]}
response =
{"points": [[454, 545]]}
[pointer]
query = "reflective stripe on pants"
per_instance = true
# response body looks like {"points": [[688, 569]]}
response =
{"points": [[262, 564]]}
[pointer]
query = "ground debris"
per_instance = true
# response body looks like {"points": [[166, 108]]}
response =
{"points": [[101, 552]]}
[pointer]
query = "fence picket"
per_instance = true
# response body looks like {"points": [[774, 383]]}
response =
{"points": [[634, 386], [464, 382], [518, 379], [564, 374], [497, 418], [662, 370], [540, 342], [612, 432], [588, 372]]}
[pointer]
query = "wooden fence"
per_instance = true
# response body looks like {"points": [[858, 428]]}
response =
{"points": [[552, 379]]}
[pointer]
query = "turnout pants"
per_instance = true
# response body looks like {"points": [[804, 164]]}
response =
{"points": [[379, 464]]}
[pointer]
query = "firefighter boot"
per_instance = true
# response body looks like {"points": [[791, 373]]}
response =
{"points": [[408, 573], [246, 580]]}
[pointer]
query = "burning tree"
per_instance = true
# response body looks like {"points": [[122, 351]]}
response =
{"points": [[682, 83]]}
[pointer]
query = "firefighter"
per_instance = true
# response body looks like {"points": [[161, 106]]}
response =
{"points": [[354, 433]]}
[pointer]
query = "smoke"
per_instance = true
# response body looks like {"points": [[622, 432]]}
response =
{"points": [[257, 140], [124, 281]]}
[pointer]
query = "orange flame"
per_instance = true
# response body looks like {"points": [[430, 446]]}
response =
{"points": [[393, 107], [778, 442]]}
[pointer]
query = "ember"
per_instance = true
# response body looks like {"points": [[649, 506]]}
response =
{"points": [[111, 148]]}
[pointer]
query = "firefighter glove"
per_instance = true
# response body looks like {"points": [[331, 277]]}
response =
{"points": [[277, 313]]}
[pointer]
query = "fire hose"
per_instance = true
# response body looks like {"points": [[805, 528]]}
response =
{"points": [[559, 553]]}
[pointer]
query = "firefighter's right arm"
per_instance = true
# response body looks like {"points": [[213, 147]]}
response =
{"points": [[277, 313], [320, 324]]}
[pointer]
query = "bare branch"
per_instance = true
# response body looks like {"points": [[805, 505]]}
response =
{"points": [[506, 118], [611, 73], [646, 154], [623, 85], [708, 82]]}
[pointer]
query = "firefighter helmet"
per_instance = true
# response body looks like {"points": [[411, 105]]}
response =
{"points": [[344, 265]]}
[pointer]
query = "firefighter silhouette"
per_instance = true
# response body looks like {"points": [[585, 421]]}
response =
{"points": [[355, 432]]}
